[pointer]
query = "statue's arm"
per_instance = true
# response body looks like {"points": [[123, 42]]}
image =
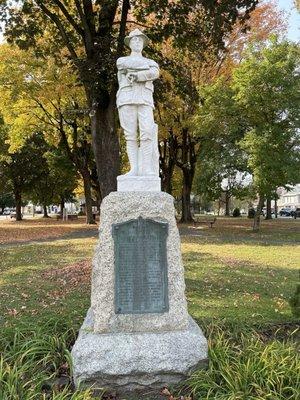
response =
{"points": [[119, 77], [148, 75]]}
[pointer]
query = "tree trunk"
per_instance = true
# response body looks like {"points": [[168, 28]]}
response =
{"points": [[167, 160], [45, 212], [88, 196], [105, 145], [276, 208], [166, 181], [95, 186], [269, 211], [62, 206], [187, 162], [227, 203], [18, 200], [186, 215], [256, 220]]}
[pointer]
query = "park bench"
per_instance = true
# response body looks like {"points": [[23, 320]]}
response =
{"points": [[210, 221]]}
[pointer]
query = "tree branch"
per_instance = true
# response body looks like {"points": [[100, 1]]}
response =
{"points": [[64, 140], [132, 22], [89, 15], [46, 112], [106, 16], [60, 27], [88, 24], [69, 17], [121, 37]]}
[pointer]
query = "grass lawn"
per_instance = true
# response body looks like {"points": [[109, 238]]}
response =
{"points": [[238, 286]]}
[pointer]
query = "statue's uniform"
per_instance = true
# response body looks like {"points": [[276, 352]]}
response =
{"points": [[135, 100]]}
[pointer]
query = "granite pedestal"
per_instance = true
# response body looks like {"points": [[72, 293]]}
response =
{"points": [[136, 353]]}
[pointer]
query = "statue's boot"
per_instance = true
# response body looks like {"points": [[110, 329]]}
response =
{"points": [[147, 160], [132, 152]]}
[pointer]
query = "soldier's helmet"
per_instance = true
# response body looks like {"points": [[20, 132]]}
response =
{"points": [[136, 32]]}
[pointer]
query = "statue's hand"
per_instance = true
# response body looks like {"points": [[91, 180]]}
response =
{"points": [[131, 76]]}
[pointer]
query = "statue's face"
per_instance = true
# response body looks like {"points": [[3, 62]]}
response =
{"points": [[136, 43]]}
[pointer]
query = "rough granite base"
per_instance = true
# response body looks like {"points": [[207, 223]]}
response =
{"points": [[136, 365], [136, 354], [119, 207]]}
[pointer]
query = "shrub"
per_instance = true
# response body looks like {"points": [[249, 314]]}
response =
{"points": [[32, 361], [251, 213], [236, 213], [247, 368]]}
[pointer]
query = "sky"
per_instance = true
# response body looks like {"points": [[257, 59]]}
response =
{"points": [[292, 14], [293, 19]]}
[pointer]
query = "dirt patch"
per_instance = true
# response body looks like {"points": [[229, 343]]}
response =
{"points": [[281, 331]]}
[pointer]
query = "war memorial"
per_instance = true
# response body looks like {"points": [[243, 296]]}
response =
{"points": [[137, 336]]}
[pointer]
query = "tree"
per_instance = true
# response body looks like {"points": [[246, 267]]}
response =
{"points": [[36, 172], [219, 126], [267, 86], [93, 33], [18, 171], [39, 95], [185, 70], [6, 200], [56, 180]]}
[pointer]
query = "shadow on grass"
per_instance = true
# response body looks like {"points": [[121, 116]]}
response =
{"points": [[240, 292], [28, 293], [196, 234]]}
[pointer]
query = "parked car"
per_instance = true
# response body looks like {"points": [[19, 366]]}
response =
{"points": [[296, 213], [285, 212], [264, 211]]}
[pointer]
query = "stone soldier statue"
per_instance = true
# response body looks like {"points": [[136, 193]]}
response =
{"points": [[135, 105]]}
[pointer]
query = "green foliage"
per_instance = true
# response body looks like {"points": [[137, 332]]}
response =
{"points": [[241, 365], [56, 180], [194, 23], [33, 358], [250, 124], [18, 170], [246, 367], [6, 200], [219, 127], [236, 213], [267, 86], [39, 171]]}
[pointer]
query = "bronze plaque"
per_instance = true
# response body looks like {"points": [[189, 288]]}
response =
{"points": [[141, 272]]}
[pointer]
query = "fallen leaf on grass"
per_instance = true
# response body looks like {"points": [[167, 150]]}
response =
{"points": [[71, 275], [165, 392], [12, 311], [66, 279]]}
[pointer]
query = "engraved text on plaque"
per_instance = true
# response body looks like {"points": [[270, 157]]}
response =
{"points": [[140, 267]]}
